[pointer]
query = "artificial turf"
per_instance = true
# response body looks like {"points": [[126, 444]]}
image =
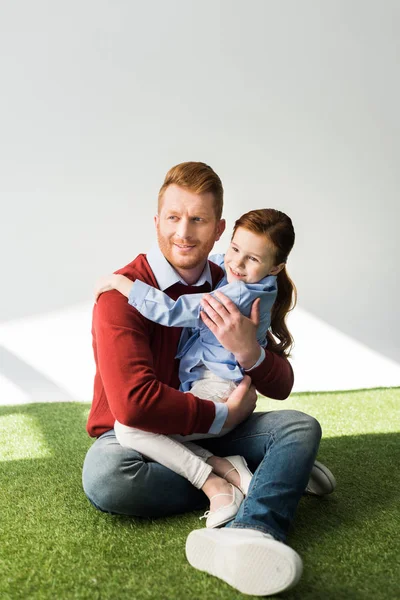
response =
{"points": [[53, 544]]}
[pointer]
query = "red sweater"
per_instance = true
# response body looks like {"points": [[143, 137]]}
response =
{"points": [[136, 379]]}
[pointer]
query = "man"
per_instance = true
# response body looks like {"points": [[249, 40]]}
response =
{"points": [[136, 383]]}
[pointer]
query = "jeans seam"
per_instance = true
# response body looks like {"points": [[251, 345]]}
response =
{"points": [[254, 435], [256, 477]]}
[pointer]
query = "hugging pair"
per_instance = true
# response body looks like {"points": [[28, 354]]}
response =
{"points": [[145, 461]]}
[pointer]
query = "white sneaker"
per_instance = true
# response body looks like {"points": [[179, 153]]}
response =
{"points": [[321, 482], [248, 560]]}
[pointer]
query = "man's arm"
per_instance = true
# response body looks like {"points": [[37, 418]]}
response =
{"points": [[133, 392], [125, 360], [274, 377]]}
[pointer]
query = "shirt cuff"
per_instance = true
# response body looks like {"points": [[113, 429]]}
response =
{"points": [[221, 414], [260, 360], [138, 293]]}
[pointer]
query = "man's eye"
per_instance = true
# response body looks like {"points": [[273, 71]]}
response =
{"points": [[171, 218], [197, 219]]}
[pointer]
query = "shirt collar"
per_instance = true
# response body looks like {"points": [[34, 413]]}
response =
{"points": [[166, 275]]}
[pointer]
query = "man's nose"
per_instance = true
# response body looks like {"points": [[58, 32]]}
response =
{"points": [[183, 229]]}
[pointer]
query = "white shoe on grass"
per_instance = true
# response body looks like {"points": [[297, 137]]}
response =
{"points": [[250, 561], [223, 514], [321, 482]]}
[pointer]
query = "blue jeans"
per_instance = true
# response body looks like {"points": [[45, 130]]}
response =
{"points": [[279, 446]]}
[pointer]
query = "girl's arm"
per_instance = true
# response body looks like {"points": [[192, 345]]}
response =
{"points": [[113, 282], [157, 306]]}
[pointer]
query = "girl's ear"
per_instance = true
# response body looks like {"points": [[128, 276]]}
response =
{"points": [[277, 269]]}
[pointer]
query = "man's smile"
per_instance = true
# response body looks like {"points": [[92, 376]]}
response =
{"points": [[184, 247]]}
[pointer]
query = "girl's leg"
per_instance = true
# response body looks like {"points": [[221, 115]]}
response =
{"points": [[121, 481], [202, 453], [212, 387], [167, 451], [187, 460]]}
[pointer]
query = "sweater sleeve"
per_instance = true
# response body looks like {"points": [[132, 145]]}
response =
{"points": [[274, 377], [135, 396]]}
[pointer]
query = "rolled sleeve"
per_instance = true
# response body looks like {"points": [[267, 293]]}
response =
{"points": [[260, 360], [221, 414]]}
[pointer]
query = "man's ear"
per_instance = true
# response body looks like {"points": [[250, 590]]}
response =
{"points": [[220, 228], [277, 269], [156, 220]]}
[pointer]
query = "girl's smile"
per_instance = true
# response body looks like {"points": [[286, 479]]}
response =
{"points": [[250, 257]]}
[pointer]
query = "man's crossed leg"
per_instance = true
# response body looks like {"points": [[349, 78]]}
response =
{"points": [[250, 552]]}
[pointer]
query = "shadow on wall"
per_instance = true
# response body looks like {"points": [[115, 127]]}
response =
{"points": [[384, 341], [31, 382]]}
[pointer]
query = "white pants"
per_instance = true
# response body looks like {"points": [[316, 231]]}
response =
{"points": [[178, 452]]}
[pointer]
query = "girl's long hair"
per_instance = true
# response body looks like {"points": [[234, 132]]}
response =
{"points": [[278, 228]]}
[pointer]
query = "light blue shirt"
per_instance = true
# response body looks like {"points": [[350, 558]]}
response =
{"points": [[198, 347], [167, 276]]}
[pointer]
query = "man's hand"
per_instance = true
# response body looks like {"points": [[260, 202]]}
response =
{"points": [[241, 403], [233, 330]]}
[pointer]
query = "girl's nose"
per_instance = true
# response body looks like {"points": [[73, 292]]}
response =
{"points": [[238, 264]]}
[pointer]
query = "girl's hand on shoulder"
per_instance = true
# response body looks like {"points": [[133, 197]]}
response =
{"points": [[104, 284], [113, 282]]}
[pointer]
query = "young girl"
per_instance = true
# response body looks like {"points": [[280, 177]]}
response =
{"points": [[254, 267]]}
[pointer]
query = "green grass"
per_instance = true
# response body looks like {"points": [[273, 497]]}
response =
{"points": [[53, 544]]}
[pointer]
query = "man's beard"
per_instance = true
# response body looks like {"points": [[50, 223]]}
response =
{"points": [[189, 262]]}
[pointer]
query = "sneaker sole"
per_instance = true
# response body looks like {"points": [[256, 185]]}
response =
{"points": [[257, 567], [322, 481]]}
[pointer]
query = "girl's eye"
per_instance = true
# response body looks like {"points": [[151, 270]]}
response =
{"points": [[235, 249], [252, 258]]}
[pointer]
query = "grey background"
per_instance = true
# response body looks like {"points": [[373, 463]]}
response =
{"points": [[294, 104]]}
